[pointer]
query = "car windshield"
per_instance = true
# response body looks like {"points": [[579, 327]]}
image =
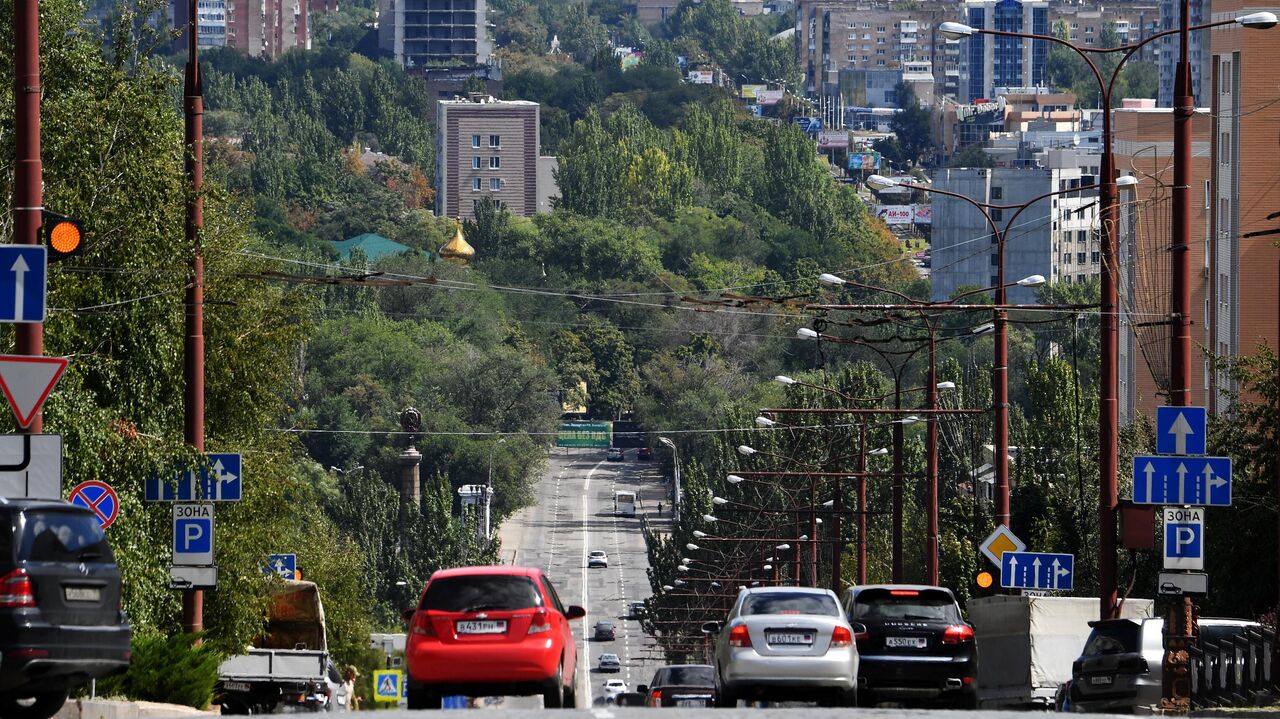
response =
{"points": [[62, 537], [1112, 638], [597, 553], [686, 676], [789, 603], [876, 604], [480, 593], [608, 657]]}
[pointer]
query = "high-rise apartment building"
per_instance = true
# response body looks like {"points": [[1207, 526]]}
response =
{"points": [[261, 28], [435, 32], [989, 62], [1197, 50], [1054, 237], [489, 148]]}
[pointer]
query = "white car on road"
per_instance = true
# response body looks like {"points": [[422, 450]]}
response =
{"points": [[612, 688], [597, 558]]}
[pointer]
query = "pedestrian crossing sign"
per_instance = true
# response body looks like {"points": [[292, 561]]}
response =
{"points": [[386, 685]]}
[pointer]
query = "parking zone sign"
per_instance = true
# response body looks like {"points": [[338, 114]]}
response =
{"points": [[193, 535], [1184, 538]]}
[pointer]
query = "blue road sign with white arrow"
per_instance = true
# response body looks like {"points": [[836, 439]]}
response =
{"points": [[1037, 570], [284, 566], [220, 481], [1204, 481], [1180, 430], [22, 283]]}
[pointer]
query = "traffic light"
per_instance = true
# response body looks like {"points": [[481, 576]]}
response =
{"points": [[984, 581], [63, 236]]}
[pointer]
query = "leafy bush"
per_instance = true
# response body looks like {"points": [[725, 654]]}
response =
{"points": [[173, 670]]}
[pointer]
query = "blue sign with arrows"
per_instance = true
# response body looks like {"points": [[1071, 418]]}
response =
{"points": [[1204, 481], [22, 283], [284, 566], [220, 481], [1037, 570], [1180, 430]]}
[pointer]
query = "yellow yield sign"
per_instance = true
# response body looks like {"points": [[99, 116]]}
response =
{"points": [[1000, 541]]}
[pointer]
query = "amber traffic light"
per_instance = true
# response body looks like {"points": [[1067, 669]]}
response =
{"points": [[63, 236], [985, 581]]}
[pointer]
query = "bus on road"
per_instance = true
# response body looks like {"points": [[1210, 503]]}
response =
{"points": [[624, 503]]}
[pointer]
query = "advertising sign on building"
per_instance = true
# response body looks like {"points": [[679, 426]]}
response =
{"points": [[923, 215], [833, 139], [895, 214], [751, 92], [702, 77], [864, 161]]}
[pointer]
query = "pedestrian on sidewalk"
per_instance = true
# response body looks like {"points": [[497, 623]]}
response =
{"points": [[659, 509], [349, 684]]}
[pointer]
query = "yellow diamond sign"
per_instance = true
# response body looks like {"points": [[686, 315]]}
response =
{"points": [[1002, 540]]}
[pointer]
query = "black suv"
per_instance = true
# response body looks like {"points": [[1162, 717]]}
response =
{"points": [[913, 646], [61, 623], [681, 685]]}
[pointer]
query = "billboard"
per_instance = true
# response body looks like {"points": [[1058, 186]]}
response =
{"points": [[833, 139], [769, 97], [923, 215], [751, 92], [895, 214], [584, 434], [864, 161], [702, 77]]}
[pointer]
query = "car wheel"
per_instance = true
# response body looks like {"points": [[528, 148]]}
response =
{"points": [[553, 697], [419, 698], [847, 698], [41, 705], [726, 699], [571, 696]]}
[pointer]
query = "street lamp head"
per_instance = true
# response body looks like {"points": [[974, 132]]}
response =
{"points": [[984, 329], [401, 583], [754, 584], [678, 582], [764, 422], [946, 385], [955, 30], [909, 419], [1258, 20], [829, 503], [805, 333], [783, 546], [746, 451], [830, 279], [879, 452], [804, 537], [699, 534], [768, 567], [681, 568], [735, 479], [818, 520], [880, 182], [709, 517], [1127, 182], [715, 584], [783, 379], [667, 587], [1033, 280], [692, 547], [666, 442], [719, 500]]}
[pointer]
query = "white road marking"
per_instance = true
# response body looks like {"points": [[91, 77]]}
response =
{"points": [[584, 658]]}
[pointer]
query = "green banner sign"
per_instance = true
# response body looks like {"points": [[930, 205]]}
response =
{"points": [[584, 434]]}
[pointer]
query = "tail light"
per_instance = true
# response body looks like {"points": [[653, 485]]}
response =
{"points": [[16, 590], [422, 625], [738, 636], [840, 637], [957, 634], [540, 623], [655, 698]]}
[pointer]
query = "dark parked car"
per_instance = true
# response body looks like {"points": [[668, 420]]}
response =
{"points": [[60, 618], [615, 455], [604, 632], [644, 454], [913, 645], [681, 685]]}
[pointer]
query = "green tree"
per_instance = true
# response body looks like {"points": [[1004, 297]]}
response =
{"points": [[912, 125]]}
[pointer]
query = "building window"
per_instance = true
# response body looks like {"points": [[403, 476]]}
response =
{"points": [[879, 52], [1224, 149], [475, 141], [1081, 235], [475, 162], [997, 193], [495, 184], [1079, 258], [495, 163], [1080, 278], [995, 259], [475, 184], [495, 141], [1095, 256], [1066, 278], [1066, 258], [997, 214]]}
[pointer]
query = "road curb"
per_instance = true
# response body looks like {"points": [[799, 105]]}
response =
{"points": [[124, 709]]}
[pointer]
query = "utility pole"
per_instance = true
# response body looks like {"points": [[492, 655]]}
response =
{"points": [[28, 180], [193, 365], [931, 491]]}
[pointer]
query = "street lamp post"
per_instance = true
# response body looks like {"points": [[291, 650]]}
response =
{"points": [[675, 476]]}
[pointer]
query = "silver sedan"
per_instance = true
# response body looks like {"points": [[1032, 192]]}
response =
{"points": [[785, 644]]}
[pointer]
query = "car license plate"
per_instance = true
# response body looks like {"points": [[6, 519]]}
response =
{"points": [[1104, 680], [82, 594], [789, 638], [482, 627], [908, 642], [691, 702], [235, 686]]}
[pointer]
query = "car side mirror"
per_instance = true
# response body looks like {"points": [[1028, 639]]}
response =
{"points": [[711, 627], [643, 689], [407, 615], [575, 612]]}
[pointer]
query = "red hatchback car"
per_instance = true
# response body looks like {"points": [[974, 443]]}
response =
{"points": [[491, 631]]}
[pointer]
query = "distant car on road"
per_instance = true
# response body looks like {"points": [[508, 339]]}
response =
{"points": [[682, 685], [604, 632], [597, 558], [60, 618], [615, 455], [785, 644], [609, 663], [491, 631], [612, 688], [912, 645], [635, 610], [644, 454]]}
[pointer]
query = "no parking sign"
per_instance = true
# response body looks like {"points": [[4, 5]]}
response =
{"points": [[99, 498]]}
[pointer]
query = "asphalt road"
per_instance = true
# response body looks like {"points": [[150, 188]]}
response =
{"points": [[571, 515], [749, 713]]}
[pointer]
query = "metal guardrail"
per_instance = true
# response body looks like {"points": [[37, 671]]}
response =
{"points": [[1237, 671]]}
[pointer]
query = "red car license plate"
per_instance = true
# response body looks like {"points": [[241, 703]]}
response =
{"points": [[473, 626]]}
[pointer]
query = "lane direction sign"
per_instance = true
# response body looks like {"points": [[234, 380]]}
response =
{"points": [[193, 535], [1184, 538], [1037, 570], [22, 283], [27, 382], [221, 481], [1180, 430], [284, 566], [1202, 481], [31, 465], [1000, 541], [99, 498]]}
